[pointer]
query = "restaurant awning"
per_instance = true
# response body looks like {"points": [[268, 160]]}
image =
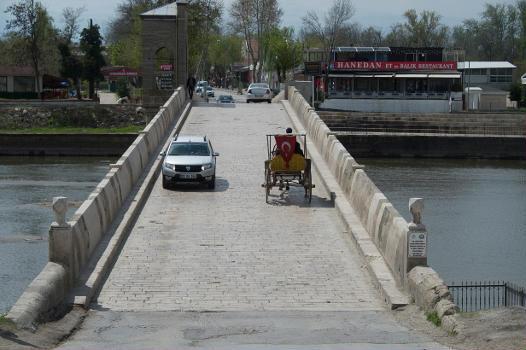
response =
{"points": [[411, 76], [445, 76]]}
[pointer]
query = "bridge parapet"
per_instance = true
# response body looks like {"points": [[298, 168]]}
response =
{"points": [[91, 221], [389, 231]]}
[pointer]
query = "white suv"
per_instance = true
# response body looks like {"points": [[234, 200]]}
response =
{"points": [[189, 159]]}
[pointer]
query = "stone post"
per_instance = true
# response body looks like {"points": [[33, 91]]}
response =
{"points": [[60, 235], [416, 236]]}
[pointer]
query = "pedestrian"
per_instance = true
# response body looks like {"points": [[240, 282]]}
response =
{"points": [[190, 84]]}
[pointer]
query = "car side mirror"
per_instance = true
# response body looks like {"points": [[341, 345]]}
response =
{"points": [[163, 153], [216, 154]]}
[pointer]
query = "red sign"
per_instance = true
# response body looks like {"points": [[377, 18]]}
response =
{"points": [[286, 146], [394, 65], [167, 67], [123, 72]]}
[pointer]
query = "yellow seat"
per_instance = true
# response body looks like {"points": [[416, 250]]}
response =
{"points": [[296, 163]]}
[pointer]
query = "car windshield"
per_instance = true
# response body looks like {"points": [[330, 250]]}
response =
{"points": [[209, 88], [189, 149], [259, 86]]}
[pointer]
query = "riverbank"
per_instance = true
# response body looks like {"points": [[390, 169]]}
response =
{"points": [[54, 144], [68, 129], [27, 116]]}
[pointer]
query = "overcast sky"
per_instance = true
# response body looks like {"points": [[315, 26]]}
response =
{"points": [[378, 13]]}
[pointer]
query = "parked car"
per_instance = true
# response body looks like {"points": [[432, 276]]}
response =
{"points": [[225, 99], [189, 159], [200, 86], [210, 91], [259, 92]]}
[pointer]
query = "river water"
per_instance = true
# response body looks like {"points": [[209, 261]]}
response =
{"points": [[27, 187], [474, 213]]}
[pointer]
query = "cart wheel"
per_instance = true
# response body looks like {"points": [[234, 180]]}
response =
{"points": [[308, 181], [268, 184]]}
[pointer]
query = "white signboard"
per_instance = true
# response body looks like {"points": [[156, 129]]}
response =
{"points": [[417, 245]]}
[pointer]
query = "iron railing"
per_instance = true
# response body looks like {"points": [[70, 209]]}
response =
{"points": [[474, 296]]}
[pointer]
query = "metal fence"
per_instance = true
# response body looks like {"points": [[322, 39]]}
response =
{"points": [[474, 296]]}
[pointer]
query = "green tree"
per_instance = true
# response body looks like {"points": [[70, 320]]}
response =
{"points": [[91, 45], [71, 67], [204, 17], [284, 52], [122, 88], [31, 29], [223, 51], [253, 19]]}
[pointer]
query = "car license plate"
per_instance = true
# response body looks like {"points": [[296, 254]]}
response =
{"points": [[259, 95], [189, 176]]}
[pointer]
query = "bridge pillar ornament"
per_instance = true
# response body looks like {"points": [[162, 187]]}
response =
{"points": [[60, 234], [416, 236]]}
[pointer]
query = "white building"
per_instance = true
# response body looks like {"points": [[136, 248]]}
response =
{"points": [[493, 78]]}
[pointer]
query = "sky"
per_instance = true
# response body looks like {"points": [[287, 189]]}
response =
{"points": [[381, 14]]}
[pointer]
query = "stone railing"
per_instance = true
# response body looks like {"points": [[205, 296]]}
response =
{"points": [[403, 245], [72, 243]]}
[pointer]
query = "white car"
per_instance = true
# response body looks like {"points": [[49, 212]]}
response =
{"points": [[200, 86], [189, 159], [259, 92]]}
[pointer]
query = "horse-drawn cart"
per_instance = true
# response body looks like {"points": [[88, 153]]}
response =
{"points": [[287, 165]]}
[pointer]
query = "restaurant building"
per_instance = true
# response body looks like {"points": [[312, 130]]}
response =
{"points": [[389, 79]]}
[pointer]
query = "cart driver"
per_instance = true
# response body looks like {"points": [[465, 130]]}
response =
{"points": [[297, 148]]}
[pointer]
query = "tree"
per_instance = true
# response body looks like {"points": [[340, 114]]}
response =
{"points": [[223, 51], [335, 22], [284, 52], [204, 17], [71, 66], [91, 45], [71, 19], [253, 19], [31, 27], [426, 31]]}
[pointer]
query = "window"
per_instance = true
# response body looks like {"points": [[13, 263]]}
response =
{"points": [[387, 84], [189, 149], [24, 84], [362, 84], [3, 84], [500, 75]]}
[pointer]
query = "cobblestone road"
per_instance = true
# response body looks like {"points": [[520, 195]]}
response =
{"points": [[226, 249]]}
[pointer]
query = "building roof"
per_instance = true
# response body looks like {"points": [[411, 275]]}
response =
{"points": [[362, 49], [16, 70], [484, 64], [169, 10]]}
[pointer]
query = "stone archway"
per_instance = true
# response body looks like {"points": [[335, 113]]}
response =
{"points": [[164, 53]]}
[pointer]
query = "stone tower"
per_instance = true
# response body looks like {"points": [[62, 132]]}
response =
{"points": [[164, 53]]}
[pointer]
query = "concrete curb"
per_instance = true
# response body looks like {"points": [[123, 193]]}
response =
{"points": [[376, 265], [95, 273]]}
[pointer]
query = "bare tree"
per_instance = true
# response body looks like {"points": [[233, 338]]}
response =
{"points": [[71, 18], [335, 22], [254, 19], [426, 31]]}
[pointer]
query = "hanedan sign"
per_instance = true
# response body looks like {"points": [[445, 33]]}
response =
{"points": [[393, 65]]}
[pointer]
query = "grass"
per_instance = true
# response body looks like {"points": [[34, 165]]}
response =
{"points": [[6, 323], [68, 130], [433, 318]]}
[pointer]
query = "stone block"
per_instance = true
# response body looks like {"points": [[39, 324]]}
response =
{"points": [[445, 307]]}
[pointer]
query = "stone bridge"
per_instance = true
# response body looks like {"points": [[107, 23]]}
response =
{"points": [[225, 264]]}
